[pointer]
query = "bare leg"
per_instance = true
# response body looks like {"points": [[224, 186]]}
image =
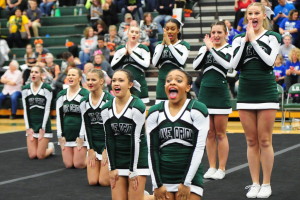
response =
{"points": [[32, 147], [120, 191], [211, 144], [104, 173], [79, 158], [43, 151], [249, 122], [139, 192], [67, 155], [93, 173]]}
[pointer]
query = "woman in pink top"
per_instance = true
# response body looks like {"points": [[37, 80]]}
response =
{"points": [[12, 80]]}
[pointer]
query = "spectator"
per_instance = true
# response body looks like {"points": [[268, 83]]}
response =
{"points": [[287, 46], [240, 7], [52, 68], [151, 5], [292, 68], [69, 58], [34, 14], [12, 80], [112, 40], [281, 11], [102, 47], [134, 7], [12, 5], [143, 38], [40, 52], [61, 82], [279, 70], [2, 4], [96, 11], [87, 43], [124, 25], [101, 63], [100, 28], [291, 25], [109, 13], [151, 29], [165, 9], [18, 29], [120, 4], [242, 26], [4, 50], [46, 7], [30, 61], [231, 31]]}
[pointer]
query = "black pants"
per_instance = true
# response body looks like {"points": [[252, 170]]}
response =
{"points": [[15, 38], [67, 2]]}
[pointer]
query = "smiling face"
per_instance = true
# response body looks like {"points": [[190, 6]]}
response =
{"points": [[176, 86], [73, 77], [121, 84], [90, 32], [172, 31], [218, 35], [29, 48], [256, 16], [133, 34], [295, 16], [94, 83], [35, 75]]}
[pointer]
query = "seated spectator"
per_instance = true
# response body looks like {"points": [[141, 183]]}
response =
{"points": [[292, 68], [120, 4], [112, 40], [165, 10], [96, 11], [286, 47], [30, 61], [231, 31], [291, 25], [12, 80], [18, 30], [151, 5], [134, 7], [4, 50], [2, 4], [52, 68], [101, 63], [40, 52], [87, 44], [241, 26], [46, 7], [279, 70], [151, 29], [240, 7], [34, 14], [69, 58], [61, 82], [100, 28], [125, 25], [102, 47], [12, 6], [144, 39], [281, 11], [110, 16]]}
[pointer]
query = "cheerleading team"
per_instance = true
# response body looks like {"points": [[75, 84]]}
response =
{"points": [[254, 55], [36, 98], [214, 61]]}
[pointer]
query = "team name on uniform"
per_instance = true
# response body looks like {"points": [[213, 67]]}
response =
{"points": [[71, 108], [250, 51], [121, 128], [210, 59], [36, 101], [95, 118], [166, 54], [176, 133]]}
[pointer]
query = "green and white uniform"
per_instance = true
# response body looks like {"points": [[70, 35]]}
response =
{"points": [[167, 58], [137, 62], [176, 145], [214, 91], [92, 123], [68, 116], [36, 107], [126, 144], [257, 85]]}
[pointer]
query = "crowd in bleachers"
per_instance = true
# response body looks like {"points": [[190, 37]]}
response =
{"points": [[105, 32]]}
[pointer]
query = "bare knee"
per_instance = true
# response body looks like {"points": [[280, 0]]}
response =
{"points": [[93, 182], [211, 135], [32, 155], [41, 156], [104, 182], [68, 164], [79, 165], [251, 142], [221, 136], [265, 143]]}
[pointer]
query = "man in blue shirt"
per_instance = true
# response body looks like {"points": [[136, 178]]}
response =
{"points": [[281, 12]]}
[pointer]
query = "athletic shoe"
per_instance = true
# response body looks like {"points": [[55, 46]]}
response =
{"points": [[220, 174], [253, 190], [210, 172], [51, 146], [265, 191]]}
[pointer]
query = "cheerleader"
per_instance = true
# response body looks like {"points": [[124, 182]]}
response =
{"points": [[254, 54], [126, 146], [214, 60], [170, 53], [177, 131], [68, 121], [134, 57], [36, 98], [92, 126]]}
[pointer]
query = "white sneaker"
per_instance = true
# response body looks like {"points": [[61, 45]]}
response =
{"points": [[220, 174], [253, 190], [210, 172], [265, 191], [51, 146]]}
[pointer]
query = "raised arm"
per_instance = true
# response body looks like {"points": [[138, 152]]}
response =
{"points": [[198, 61], [181, 53], [221, 58], [238, 46], [119, 54], [157, 54], [143, 59]]}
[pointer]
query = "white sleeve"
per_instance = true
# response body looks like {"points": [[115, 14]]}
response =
{"points": [[223, 61], [48, 95], [157, 54], [202, 124], [59, 104], [180, 58], [269, 59], [119, 54], [144, 60], [82, 132], [24, 95], [199, 58], [239, 44]]}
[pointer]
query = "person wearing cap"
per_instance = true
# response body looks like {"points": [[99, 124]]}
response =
{"points": [[124, 25], [134, 7]]}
